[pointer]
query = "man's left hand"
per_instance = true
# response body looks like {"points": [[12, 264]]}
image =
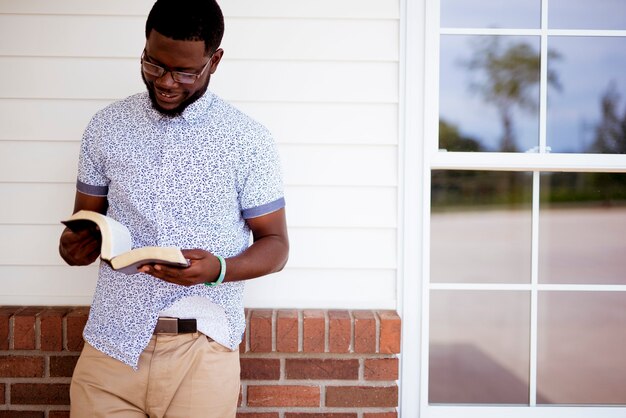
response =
{"points": [[204, 267]]}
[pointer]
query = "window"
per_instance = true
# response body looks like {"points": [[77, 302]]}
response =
{"points": [[525, 167]]}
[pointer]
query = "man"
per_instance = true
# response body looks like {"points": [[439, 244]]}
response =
{"points": [[179, 167]]}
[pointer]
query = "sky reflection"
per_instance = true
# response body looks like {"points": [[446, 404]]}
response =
{"points": [[462, 106], [490, 13], [585, 68], [588, 67], [585, 14]]}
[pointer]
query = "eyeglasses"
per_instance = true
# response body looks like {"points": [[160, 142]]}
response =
{"points": [[178, 76]]}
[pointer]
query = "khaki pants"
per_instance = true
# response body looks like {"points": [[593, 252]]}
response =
{"points": [[184, 375]]}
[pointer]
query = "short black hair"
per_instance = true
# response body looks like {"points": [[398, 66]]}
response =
{"points": [[188, 20]]}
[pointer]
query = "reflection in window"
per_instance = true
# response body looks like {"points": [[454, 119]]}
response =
{"points": [[489, 93], [589, 113], [585, 14], [581, 342], [480, 227], [479, 347], [490, 13], [582, 228]]}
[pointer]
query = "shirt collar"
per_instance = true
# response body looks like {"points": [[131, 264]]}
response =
{"points": [[195, 112]]}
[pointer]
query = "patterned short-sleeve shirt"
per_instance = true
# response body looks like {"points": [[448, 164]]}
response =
{"points": [[189, 181]]}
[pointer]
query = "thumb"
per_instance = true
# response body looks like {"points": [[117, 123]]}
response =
{"points": [[195, 254]]}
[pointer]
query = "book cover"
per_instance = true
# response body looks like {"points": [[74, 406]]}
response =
{"points": [[116, 247]]}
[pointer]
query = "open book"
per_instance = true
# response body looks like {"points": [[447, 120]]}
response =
{"points": [[116, 244]]}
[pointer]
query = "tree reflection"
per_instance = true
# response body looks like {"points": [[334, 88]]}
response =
{"points": [[507, 79], [451, 139], [610, 136], [506, 75]]}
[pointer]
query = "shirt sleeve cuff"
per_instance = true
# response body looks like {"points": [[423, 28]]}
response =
{"points": [[91, 190], [263, 209]]}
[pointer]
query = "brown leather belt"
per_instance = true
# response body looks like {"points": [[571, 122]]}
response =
{"points": [[174, 326]]}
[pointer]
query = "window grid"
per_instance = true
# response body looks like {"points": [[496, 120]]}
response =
{"points": [[539, 162]]}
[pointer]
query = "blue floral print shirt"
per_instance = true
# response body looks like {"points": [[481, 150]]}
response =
{"points": [[189, 181]]}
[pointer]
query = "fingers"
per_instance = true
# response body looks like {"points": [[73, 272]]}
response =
{"points": [[80, 247], [195, 254], [184, 276]]}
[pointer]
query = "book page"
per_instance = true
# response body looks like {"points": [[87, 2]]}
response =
{"points": [[119, 240], [115, 236], [130, 261]]}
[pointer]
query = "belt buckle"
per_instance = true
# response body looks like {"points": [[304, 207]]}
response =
{"points": [[166, 325]]}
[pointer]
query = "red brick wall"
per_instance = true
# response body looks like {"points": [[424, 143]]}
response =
{"points": [[294, 363]]}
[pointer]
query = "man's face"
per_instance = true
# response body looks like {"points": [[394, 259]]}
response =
{"points": [[169, 96]]}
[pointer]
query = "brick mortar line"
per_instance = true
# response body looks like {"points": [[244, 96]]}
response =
{"points": [[326, 332], [318, 356], [37, 380], [300, 330], [46, 367], [378, 326], [45, 408], [283, 369], [322, 383], [37, 332], [274, 328], [39, 353], [361, 369], [11, 327], [313, 409], [246, 335], [244, 393], [64, 342], [352, 331]]}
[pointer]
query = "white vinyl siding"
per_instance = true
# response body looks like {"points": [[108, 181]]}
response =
{"points": [[322, 76]]}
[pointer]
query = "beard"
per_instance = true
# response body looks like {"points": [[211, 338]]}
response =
{"points": [[178, 110]]}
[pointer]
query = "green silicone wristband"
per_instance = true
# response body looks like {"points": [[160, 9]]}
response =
{"points": [[220, 279]]}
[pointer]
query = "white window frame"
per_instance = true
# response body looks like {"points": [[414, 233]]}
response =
{"points": [[418, 156]]}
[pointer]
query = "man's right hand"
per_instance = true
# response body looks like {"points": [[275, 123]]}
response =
{"points": [[80, 248]]}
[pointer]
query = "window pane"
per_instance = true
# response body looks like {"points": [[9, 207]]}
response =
{"points": [[479, 347], [588, 113], [480, 227], [489, 93], [586, 14], [581, 348], [582, 228], [490, 13]]}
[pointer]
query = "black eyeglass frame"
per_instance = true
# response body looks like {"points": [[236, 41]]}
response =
{"points": [[182, 77]]}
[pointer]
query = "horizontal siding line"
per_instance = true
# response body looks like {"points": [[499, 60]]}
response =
{"points": [[52, 99], [287, 269], [372, 18], [269, 101], [234, 102], [317, 103], [64, 14], [40, 140], [291, 186], [286, 184], [229, 59], [291, 269], [291, 227], [333, 186], [334, 143], [288, 144], [313, 17]]}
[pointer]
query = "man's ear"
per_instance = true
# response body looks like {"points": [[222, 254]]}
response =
{"points": [[215, 60]]}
